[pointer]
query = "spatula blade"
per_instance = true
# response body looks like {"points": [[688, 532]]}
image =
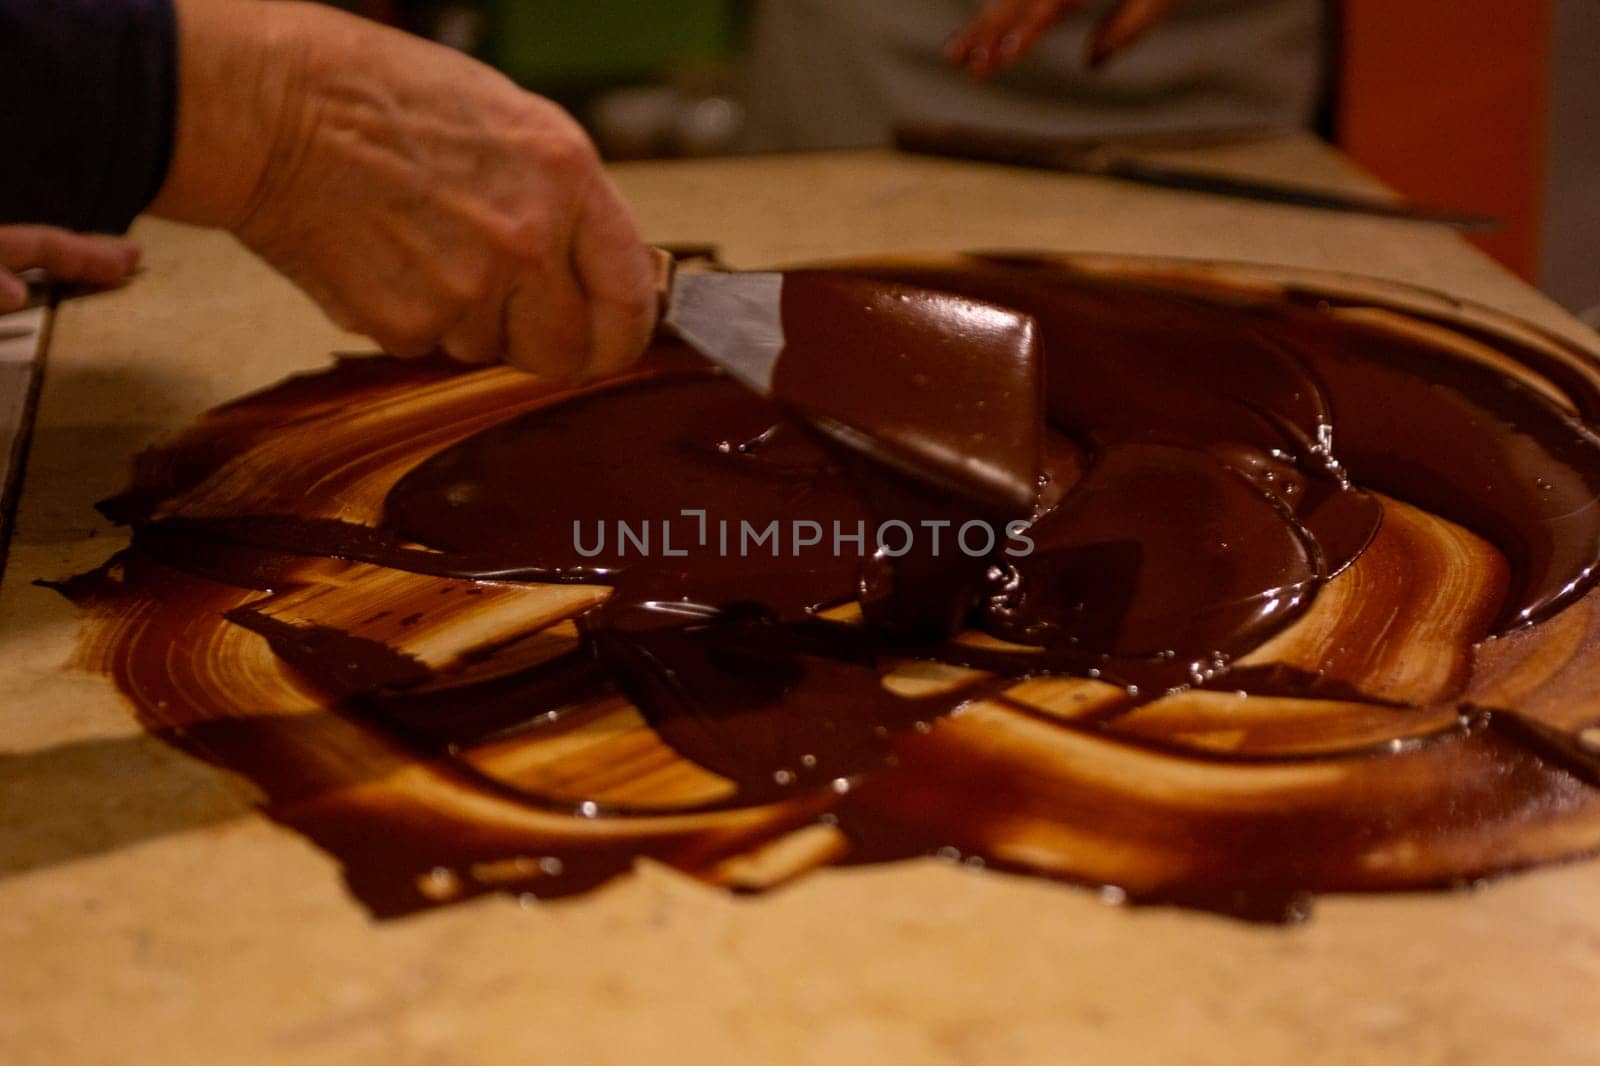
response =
{"points": [[734, 319]]}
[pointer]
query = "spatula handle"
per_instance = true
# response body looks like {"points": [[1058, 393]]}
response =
{"points": [[665, 265]]}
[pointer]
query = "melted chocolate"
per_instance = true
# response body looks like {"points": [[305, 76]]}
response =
{"points": [[1384, 410], [1208, 467], [941, 387]]}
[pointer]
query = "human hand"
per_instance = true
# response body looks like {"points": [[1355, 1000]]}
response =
{"points": [[418, 196], [1005, 31], [64, 255]]}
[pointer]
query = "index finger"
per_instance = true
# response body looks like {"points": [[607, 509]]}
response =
{"points": [[67, 256], [1124, 24]]}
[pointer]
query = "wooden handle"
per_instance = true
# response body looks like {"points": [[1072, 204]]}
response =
{"points": [[668, 262], [991, 145], [665, 267]]}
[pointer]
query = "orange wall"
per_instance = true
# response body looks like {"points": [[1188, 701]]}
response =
{"points": [[1445, 100]]}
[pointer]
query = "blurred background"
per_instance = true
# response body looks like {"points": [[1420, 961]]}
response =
{"points": [[1491, 106]]}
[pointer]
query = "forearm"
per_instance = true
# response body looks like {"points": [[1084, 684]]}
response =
{"points": [[239, 62]]}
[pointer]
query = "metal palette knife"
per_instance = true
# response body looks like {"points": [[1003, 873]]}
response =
{"points": [[943, 388]]}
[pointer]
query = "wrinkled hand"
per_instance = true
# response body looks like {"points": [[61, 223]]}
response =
{"points": [[1005, 31], [64, 255], [418, 196]]}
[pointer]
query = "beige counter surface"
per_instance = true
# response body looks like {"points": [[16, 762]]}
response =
{"points": [[148, 914]]}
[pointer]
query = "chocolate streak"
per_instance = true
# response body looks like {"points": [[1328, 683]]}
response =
{"points": [[1201, 461]]}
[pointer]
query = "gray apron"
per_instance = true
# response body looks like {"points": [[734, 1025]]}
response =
{"points": [[837, 73]]}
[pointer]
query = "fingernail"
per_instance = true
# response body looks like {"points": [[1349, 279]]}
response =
{"points": [[1010, 48], [978, 60]]}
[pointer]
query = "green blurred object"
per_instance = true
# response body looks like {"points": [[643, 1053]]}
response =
{"points": [[563, 47]]}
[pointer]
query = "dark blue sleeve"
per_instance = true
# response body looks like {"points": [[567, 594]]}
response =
{"points": [[88, 99]]}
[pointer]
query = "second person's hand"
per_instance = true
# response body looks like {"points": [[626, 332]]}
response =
{"points": [[1005, 31]]}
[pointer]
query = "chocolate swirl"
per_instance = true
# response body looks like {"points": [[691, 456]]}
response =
{"points": [[1280, 630]]}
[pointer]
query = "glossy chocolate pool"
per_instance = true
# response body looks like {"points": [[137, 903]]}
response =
{"points": [[1305, 606]]}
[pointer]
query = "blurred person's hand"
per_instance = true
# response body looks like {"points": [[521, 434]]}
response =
{"points": [[64, 255], [417, 195], [1004, 31]]}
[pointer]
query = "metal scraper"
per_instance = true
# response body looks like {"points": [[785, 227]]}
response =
{"points": [[943, 388]]}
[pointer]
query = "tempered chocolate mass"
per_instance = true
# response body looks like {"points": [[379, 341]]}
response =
{"points": [[1236, 666]]}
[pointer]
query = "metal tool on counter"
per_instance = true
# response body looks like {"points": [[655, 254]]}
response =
{"points": [[22, 336], [1116, 157], [941, 387]]}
